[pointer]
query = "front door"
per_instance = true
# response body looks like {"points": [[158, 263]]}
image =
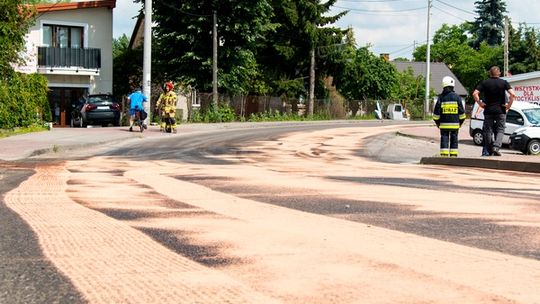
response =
{"points": [[61, 101]]}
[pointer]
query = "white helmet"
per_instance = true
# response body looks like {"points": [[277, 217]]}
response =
{"points": [[448, 81]]}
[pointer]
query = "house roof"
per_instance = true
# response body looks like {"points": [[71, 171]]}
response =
{"points": [[64, 6], [524, 76], [438, 71], [137, 36]]}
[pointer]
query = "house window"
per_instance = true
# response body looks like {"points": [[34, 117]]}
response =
{"points": [[63, 36]]}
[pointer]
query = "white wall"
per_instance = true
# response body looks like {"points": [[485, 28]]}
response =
{"points": [[98, 34]]}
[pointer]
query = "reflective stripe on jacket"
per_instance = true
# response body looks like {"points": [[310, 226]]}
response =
{"points": [[448, 112], [167, 99]]}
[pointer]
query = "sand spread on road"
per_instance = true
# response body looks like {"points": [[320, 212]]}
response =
{"points": [[247, 251]]}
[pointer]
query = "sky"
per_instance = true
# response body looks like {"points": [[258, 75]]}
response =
{"points": [[388, 26], [124, 17]]}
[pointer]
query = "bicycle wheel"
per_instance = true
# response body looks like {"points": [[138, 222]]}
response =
{"points": [[139, 121]]}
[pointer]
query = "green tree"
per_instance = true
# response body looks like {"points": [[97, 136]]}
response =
{"points": [[408, 86], [184, 41], [410, 91], [23, 100], [473, 65], [301, 27], [524, 53], [127, 70], [15, 21], [489, 25], [366, 76], [120, 45], [449, 42], [451, 46]]}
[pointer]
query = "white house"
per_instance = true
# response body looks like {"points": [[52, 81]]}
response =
{"points": [[526, 86], [71, 44]]}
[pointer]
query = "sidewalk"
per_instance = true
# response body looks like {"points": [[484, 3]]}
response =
{"points": [[33, 144], [63, 139], [510, 160]]}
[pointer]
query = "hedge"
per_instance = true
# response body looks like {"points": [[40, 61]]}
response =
{"points": [[23, 100]]}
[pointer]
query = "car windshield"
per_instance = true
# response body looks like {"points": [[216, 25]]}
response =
{"points": [[533, 115], [102, 100]]}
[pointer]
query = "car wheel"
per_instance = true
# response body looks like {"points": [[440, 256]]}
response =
{"points": [[478, 137], [534, 147]]}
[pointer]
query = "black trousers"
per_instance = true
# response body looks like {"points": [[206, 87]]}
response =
{"points": [[493, 123], [449, 142]]}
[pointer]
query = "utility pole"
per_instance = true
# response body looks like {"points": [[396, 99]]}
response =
{"points": [[428, 59], [147, 56], [506, 45], [214, 63], [311, 81]]}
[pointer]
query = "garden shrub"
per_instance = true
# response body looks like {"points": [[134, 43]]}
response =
{"points": [[23, 101]]}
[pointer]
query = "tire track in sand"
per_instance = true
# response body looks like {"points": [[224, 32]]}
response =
{"points": [[110, 262]]}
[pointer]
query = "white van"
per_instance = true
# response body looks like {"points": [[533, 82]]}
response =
{"points": [[396, 111], [521, 114]]}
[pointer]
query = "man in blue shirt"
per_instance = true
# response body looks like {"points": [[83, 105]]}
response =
{"points": [[136, 100]]}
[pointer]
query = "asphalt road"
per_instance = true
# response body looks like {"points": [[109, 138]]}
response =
{"points": [[206, 149], [26, 275], [199, 195]]}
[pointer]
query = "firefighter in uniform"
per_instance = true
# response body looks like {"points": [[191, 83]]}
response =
{"points": [[449, 115], [166, 106]]}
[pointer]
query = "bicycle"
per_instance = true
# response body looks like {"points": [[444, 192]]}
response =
{"points": [[139, 121]]}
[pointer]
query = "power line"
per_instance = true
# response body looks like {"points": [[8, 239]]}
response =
{"points": [[527, 23], [183, 12], [455, 7], [391, 46], [450, 14], [381, 11], [384, 14], [373, 1], [402, 50]]}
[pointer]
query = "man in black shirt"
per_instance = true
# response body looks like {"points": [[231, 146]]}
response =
{"points": [[495, 105]]}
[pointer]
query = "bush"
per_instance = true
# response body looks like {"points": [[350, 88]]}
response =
{"points": [[223, 113], [277, 116], [23, 101], [271, 116], [416, 108]]}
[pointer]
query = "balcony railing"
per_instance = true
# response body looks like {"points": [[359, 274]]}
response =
{"points": [[89, 58]]}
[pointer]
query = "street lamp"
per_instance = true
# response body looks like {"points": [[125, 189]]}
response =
{"points": [[428, 59], [147, 56]]}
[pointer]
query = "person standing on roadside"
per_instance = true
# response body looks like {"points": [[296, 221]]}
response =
{"points": [[449, 115], [166, 106], [495, 104]]}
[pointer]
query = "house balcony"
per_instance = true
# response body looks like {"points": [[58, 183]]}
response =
{"points": [[69, 61]]}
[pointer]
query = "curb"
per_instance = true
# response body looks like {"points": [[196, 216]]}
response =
{"points": [[425, 137], [508, 165], [57, 148]]}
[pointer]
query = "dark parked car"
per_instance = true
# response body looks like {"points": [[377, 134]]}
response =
{"points": [[96, 109]]}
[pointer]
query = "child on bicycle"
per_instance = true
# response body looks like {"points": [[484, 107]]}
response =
{"points": [[136, 100]]}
